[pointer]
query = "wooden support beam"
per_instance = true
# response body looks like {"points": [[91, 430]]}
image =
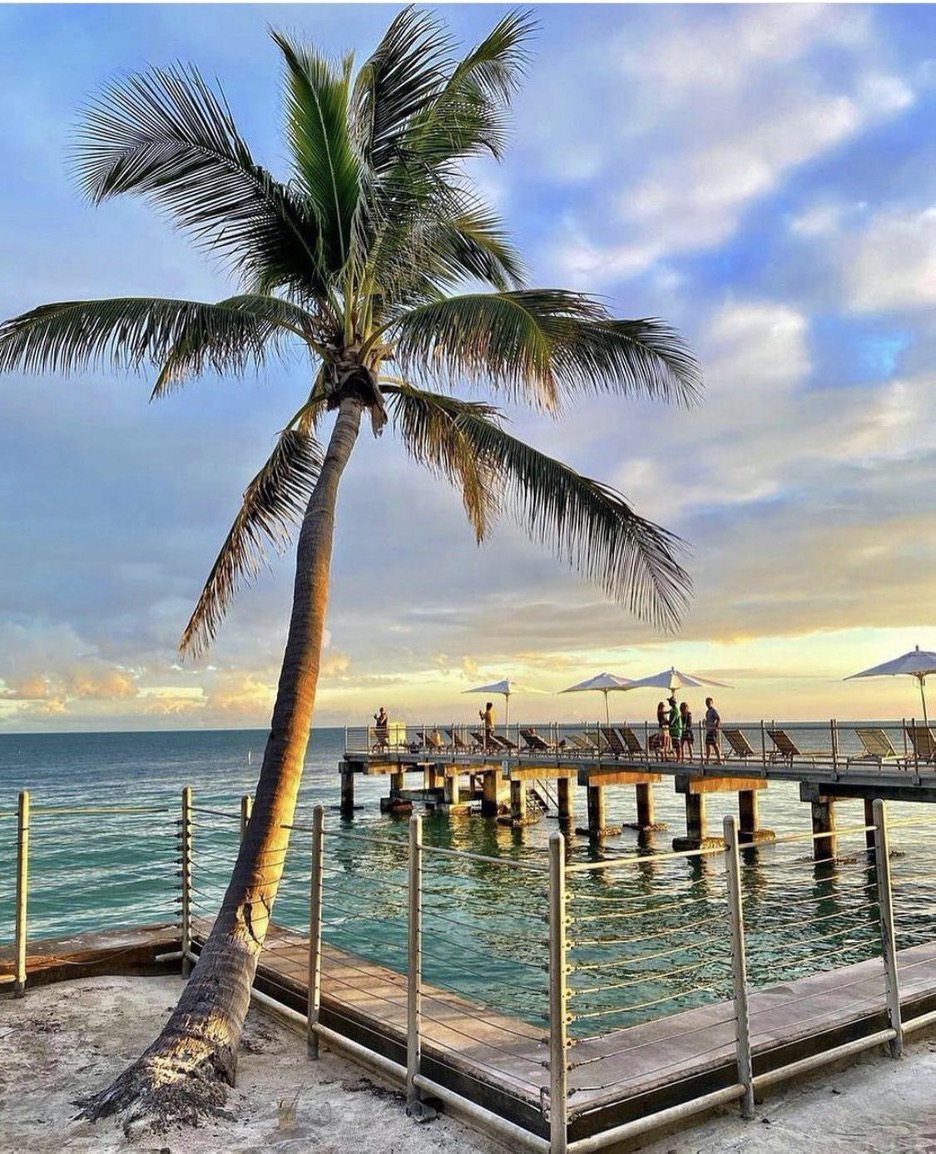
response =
{"points": [[594, 776], [689, 784], [541, 772]]}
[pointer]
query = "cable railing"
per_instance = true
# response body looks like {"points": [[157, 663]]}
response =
{"points": [[553, 981]]}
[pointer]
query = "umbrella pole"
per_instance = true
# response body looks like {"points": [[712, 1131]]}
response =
{"points": [[607, 712], [923, 699]]}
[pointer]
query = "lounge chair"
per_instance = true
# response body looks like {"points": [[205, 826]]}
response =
{"points": [[631, 741], [786, 748], [458, 743], [877, 747], [740, 747], [582, 743], [433, 741], [923, 742], [504, 743], [535, 743], [615, 744]]}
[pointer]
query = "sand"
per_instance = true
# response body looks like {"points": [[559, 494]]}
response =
{"points": [[66, 1040]]}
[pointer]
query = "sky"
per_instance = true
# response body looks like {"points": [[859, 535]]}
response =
{"points": [[762, 177]]}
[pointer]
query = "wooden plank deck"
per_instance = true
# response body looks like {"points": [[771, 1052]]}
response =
{"points": [[499, 1061]]}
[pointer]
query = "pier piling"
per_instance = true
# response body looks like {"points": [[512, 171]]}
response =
{"points": [[564, 799], [644, 793], [823, 822]]}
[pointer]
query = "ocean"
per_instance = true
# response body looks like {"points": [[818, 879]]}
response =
{"points": [[104, 853]]}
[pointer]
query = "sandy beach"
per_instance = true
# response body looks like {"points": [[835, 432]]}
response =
{"points": [[69, 1039]]}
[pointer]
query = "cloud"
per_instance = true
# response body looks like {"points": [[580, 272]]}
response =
{"points": [[891, 263], [717, 112]]}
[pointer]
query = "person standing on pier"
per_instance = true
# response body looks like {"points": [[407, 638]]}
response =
{"points": [[688, 737], [487, 720], [675, 729], [663, 737], [712, 726], [381, 728]]}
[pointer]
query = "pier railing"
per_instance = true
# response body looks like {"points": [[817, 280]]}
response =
{"points": [[69, 870], [832, 743], [542, 993]]}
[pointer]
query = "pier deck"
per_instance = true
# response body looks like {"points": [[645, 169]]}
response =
{"points": [[909, 781], [497, 1061]]}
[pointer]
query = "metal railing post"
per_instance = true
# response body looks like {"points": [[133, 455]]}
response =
{"points": [[315, 931], [414, 966], [888, 942], [558, 998], [246, 809], [739, 967], [22, 890], [186, 875]]}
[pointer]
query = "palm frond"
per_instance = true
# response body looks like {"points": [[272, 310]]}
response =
{"points": [[543, 346], [132, 332], [274, 319], [585, 522], [327, 166], [403, 75], [432, 434], [273, 503], [469, 114], [167, 136]]}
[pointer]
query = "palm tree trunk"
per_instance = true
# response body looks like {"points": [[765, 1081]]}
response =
{"points": [[185, 1072]]}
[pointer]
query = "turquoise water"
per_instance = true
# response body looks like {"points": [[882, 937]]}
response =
{"points": [[648, 932]]}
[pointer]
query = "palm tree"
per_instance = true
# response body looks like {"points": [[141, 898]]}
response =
{"points": [[377, 258]]}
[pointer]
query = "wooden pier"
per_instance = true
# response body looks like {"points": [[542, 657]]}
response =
{"points": [[496, 1061], [451, 784]]}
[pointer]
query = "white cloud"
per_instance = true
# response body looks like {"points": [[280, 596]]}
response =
{"points": [[717, 112], [891, 264]]}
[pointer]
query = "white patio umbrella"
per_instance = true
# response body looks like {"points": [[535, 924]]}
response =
{"points": [[917, 663], [601, 683], [505, 687], [673, 679]]}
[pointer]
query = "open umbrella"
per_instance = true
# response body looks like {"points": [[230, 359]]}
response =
{"points": [[917, 663], [672, 679], [601, 683], [504, 687]]}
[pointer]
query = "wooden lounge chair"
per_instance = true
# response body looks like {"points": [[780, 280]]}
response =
{"points": [[458, 743], [615, 744], [877, 747], [739, 746], [505, 743], [535, 743], [923, 742], [631, 741], [786, 749], [433, 741], [582, 743]]}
